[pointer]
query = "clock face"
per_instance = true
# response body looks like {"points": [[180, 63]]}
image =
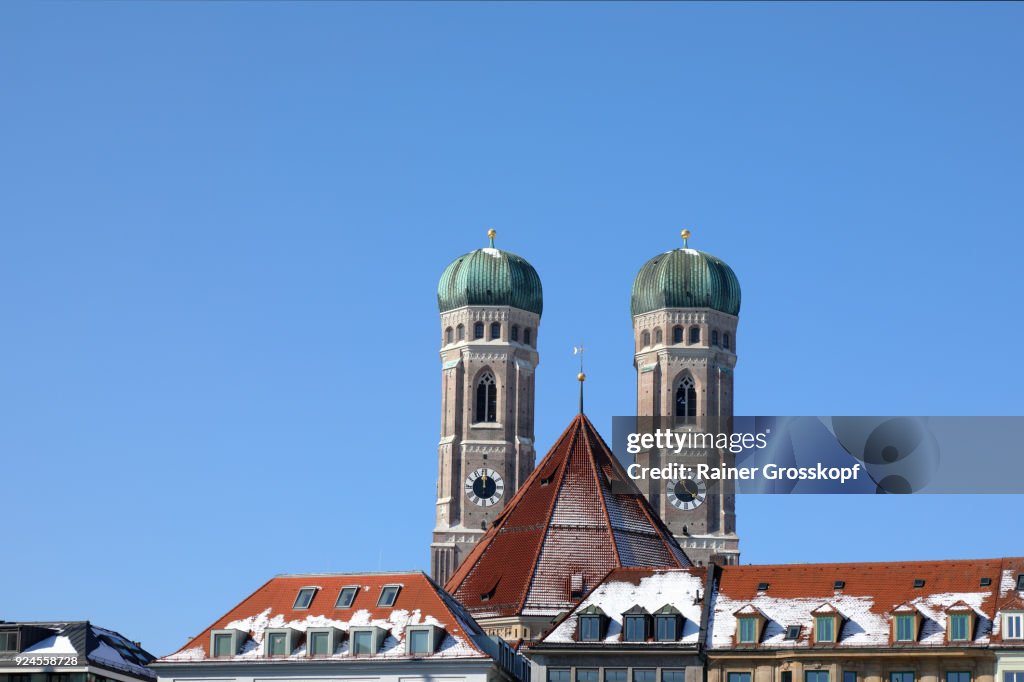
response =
{"points": [[687, 493], [484, 487]]}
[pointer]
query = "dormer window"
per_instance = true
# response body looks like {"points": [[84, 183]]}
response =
{"points": [[959, 627], [423, 640], [226, 643], [322, 641], [305, 597], [904, 627], [667, 624], [365, 641], [346, 597], [280, 641], [591, 624], [747, 630], [388, 595], [824, 629], [9, 641], [1013, 626], [635, 628]]}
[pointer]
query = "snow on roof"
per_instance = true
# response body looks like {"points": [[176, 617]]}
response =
{"points": [[419, 602], [650, 589], [57, 644]]}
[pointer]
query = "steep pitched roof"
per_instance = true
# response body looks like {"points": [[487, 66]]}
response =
{"points": [[419, 601], [578, 516], [101, 647], [871, 594]]}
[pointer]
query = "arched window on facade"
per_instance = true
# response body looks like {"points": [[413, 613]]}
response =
{"points": [[686, 398], [495, 330], [694, 334], [460, 332], [714, 337], [657, 335], [528, 336], [448, 335], [486, 399], [646, 339], [677, 334], [726, 341], [514, 332], [478, 330]]}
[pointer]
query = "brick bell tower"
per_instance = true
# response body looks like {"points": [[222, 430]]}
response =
{"points": [[490, 302], [685, 306]]}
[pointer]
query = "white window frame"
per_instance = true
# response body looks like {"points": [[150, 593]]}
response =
{"points": [[1018, 617]]}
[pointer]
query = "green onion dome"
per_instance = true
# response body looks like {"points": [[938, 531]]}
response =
{"points": [[685, 278], [490, 276]]}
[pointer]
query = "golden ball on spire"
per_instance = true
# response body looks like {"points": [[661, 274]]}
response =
{"points": [[492, 233], [685, 234], [581, 376]]}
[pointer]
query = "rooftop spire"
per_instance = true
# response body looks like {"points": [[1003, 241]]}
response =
{"points": [[581, 377], [685, 234], [491, 234]]}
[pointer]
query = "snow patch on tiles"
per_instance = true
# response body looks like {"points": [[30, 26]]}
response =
{"points": [[58, 644], [865, 623], [1008, 583], [393, 645], [678, 588]]}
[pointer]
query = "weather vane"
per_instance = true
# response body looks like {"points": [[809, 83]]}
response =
{"points": [[578, 350]]}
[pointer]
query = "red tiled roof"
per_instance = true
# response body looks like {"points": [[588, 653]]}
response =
{"points": [[567, 519], [276, 598]]}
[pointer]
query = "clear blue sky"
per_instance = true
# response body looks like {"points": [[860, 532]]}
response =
{"points": [[222, 224]]}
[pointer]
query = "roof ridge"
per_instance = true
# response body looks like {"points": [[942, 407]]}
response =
{"points": [[888, 564], [602, 499]]}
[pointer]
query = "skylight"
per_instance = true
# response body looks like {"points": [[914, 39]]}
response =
{"points": [[304, 598], [985, 582], [346, 597], [793, 632], [919, 583], [762, 587], [839, 584], [1020, 582], [388, 595]]}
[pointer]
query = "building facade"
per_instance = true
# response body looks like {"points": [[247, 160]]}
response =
{"points": [[490, 303], [70, 651], [685, 306]]}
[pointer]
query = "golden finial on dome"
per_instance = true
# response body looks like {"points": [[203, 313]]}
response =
{"points": [[491, 234], [685, 234]]}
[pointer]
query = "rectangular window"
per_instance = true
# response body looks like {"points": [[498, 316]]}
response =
{"points": [[388, 595], [816, 676], [223, 645], [787, 676], [645, 676], [667, 628], [904, 628], [958, 676], [849, 676], [673, 676], [320, 643], [636, 630], [277, 644], [1013, 676], [901, 677], [1014, 626], [8, 641], [419, 642], [558, 676], [590, 628], [362, 642], [304, 598], [738, 677], [958, 623], [346, 597], [824, 629], [748, 630], [616, 675], [588, 675]]}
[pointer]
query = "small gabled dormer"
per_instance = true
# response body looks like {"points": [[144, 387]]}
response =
{"points": [[226, 643], [423, 640], [750, 623], [960, 620], [591, 624], [323, 641], [366, 640], [668, 624], [636, 624], [279, 642], [828, 621], [906, 623]]}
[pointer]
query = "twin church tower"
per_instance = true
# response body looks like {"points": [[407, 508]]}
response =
{"points": [[685, 305]]}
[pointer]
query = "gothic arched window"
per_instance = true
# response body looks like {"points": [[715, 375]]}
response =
{"points": [[478, 330], [714, 337], [726, 340], [495, 330], [460, 332], [486, 399], [686, 398], [514, 332], [677, 334], [694, 334], [448, 335], [646, 339], [527, 333], [657, 335]]}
